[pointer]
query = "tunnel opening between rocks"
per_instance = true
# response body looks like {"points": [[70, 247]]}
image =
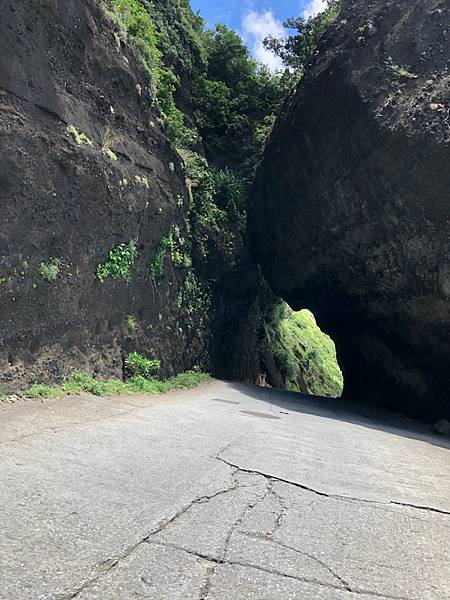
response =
{"points": [[304, 356]]}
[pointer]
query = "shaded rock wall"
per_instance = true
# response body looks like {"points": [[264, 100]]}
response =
{"points": [[62, 64], [350, 214]]}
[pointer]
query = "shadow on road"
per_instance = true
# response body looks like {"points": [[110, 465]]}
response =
{"points": [[345, 411]]}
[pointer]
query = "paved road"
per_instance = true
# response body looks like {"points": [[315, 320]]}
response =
{"points": [[221, 493]]}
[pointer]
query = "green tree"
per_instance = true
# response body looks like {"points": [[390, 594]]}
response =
{"points": [[232, 98], [297, 49]]}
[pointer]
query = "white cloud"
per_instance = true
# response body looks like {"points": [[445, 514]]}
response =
{"points": [[256, 26], [314, 7]]}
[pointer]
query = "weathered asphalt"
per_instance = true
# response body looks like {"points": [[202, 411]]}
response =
{"points": [[220, 493]]}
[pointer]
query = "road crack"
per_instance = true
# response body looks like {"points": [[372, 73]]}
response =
{"points": [[345, 585], [217, 562], [206, 587], [108, 565], [325, 494]]}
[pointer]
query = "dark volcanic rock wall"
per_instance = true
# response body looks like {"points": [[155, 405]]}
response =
{"points": [[350, 215], [62, 64]]}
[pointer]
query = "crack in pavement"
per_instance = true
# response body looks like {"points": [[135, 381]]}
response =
{"points": [[420, 507], [238, 563], [282, 513], [325, 494], [345, 585], [204, 592], [110, 564]]}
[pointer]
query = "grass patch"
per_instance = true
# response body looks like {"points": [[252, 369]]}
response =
{"points": [[40, 390], [81, 383]]}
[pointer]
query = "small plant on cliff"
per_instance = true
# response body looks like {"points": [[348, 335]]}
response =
{"points": [[80, 138], [399, 70], [132, 323], [50, 270], [137, 365], [107, 139], [120, 261], [156, 269]]}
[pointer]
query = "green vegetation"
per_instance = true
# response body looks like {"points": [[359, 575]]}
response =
{"points": [[304, 354], [3, 280], [80, 138], [233, 104], [40, 390], [50, 270], [110, 154], [137, 365], [297, 50], [79, 383], [107, 139], [195, 299], [398, 70], [156, 268], [119, 264], [132, 323], [233, 99], [140, 180], [135, 20]]}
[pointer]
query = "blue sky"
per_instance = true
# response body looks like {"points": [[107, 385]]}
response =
{"points": [[255, 19], [231, 11]]}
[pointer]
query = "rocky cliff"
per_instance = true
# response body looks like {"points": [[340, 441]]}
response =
{"points": [[107, 245], [350, 214], [89, 188]]}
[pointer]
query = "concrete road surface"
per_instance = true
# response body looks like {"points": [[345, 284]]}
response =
{"points": [[227, 492]]}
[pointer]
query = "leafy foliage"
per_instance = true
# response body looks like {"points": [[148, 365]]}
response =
{"points": [[137, 365], [50, 270], [297, 49], [137, 25], [232, 97], [305, 355], [219, 107], [195, 300], [399, 70], [120, 261], [156, 269]]}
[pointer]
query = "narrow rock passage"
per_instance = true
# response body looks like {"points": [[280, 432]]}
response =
{"points": [[186, 497]]}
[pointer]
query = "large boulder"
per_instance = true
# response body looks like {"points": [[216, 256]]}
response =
{"points": [[350, 214]]}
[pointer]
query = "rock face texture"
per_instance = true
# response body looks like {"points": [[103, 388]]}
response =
{"points": [[86, 170], [68, 202], [350, 215]]}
